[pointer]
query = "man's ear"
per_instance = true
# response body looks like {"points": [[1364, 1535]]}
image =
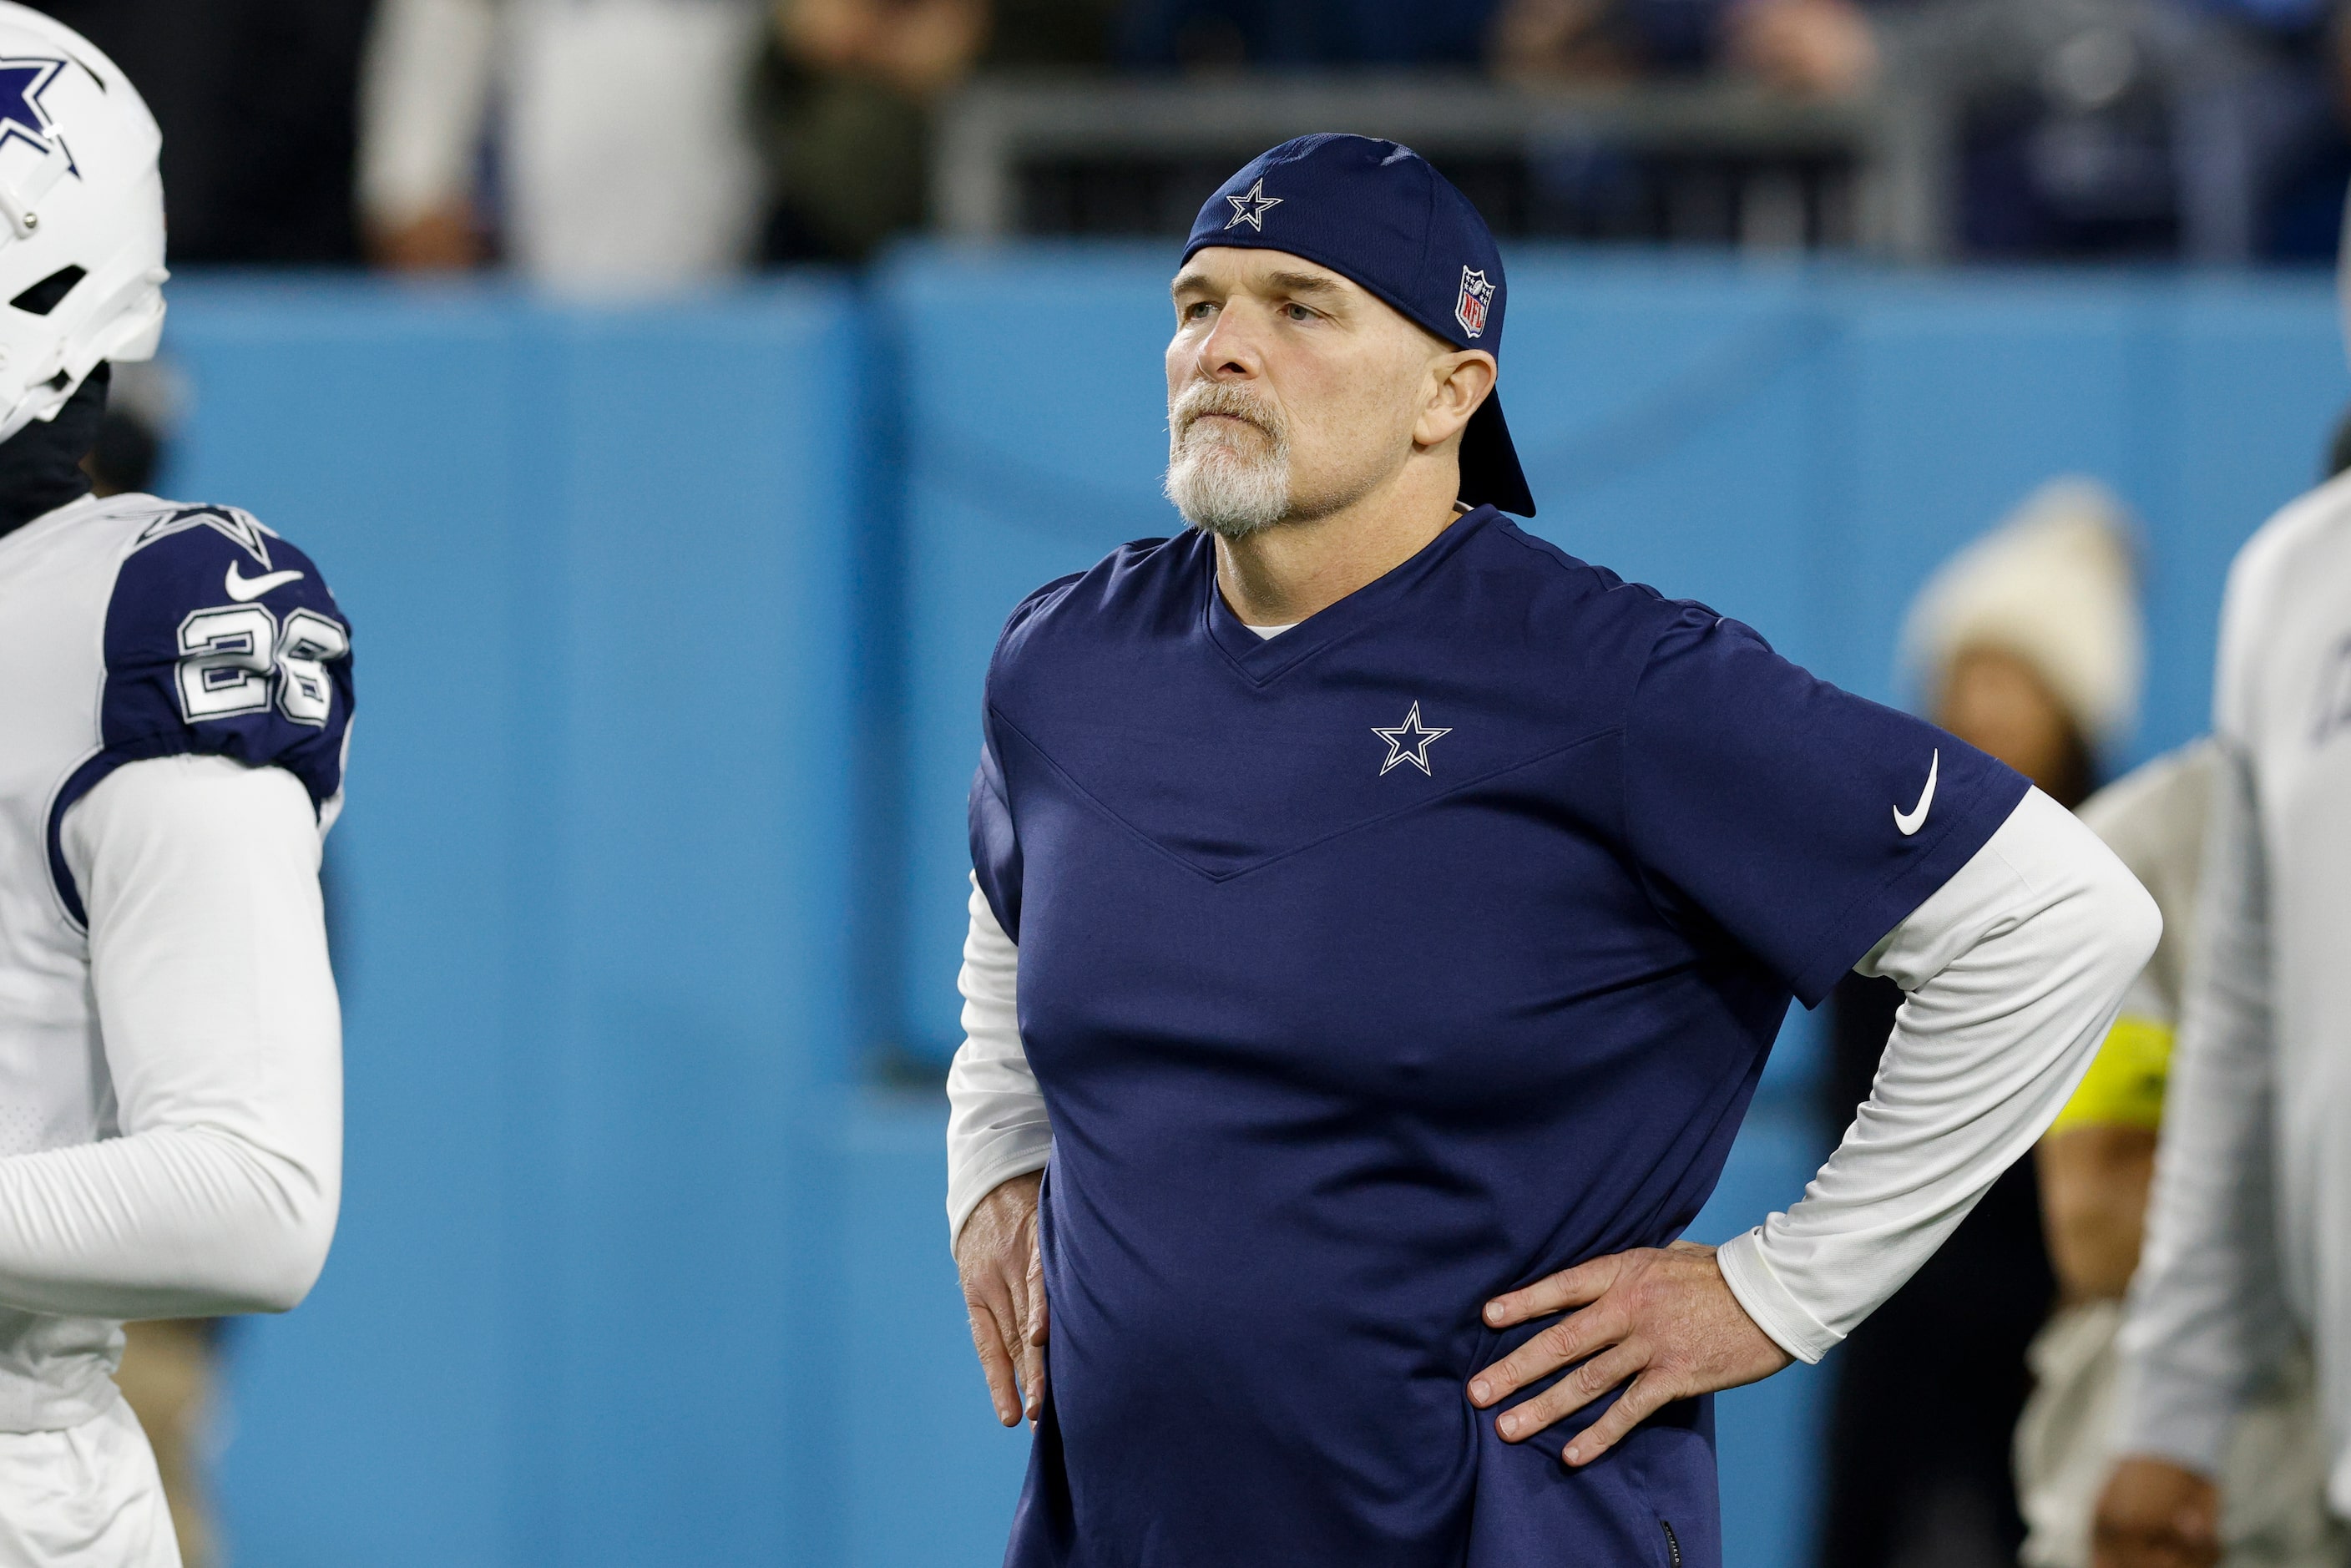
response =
{"points": [[1460, 382]]}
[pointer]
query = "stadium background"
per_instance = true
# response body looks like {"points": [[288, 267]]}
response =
{"points": [[670, 624]]}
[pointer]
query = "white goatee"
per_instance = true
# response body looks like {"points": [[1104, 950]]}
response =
{"points": [[1225, 479]]}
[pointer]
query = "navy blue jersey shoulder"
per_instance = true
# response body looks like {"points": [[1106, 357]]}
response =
{"points": [[221, 639], [1771, 804]]}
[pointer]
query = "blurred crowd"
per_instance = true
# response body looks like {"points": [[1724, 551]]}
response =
{"points": [[1992, 1412], [644, 143]]}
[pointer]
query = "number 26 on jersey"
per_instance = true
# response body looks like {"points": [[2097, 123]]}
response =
{"points": [[237, 659]]}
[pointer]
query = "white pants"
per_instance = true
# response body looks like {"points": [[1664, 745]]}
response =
{"points": [[88, 1497]]}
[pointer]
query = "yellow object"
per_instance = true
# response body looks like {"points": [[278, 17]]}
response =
{"points": [[2126, 1083]]}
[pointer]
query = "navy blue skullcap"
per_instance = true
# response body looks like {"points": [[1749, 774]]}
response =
{"points": [[1376, 211]]}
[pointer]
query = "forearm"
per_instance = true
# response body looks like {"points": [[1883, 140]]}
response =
{"points": [[997, 1124], [2014, 968], [223, 1041], [176, 1222]]}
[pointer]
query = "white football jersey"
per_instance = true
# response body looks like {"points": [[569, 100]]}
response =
{"points": [[130, 627], [2281, 710]]}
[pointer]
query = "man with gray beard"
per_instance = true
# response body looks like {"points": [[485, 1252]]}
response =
{"points": [[1379, 922], [1229, 474]]}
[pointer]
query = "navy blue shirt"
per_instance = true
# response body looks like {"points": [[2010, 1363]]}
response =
{"points": [[1369, 971]]}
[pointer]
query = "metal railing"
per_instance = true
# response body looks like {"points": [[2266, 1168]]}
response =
{"points": [[1018, 156]]}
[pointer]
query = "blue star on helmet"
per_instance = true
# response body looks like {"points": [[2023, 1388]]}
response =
{"points": [[22, 118], [1252, 207]]}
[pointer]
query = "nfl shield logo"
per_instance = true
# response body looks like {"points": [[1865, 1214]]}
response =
{"points": [[1470, 308]]}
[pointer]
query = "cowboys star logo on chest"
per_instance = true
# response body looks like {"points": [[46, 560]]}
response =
{"points": [[1409, 741]]}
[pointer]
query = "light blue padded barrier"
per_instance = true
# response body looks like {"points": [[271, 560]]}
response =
{"points": [[1667, 414], [588, 901], [1035, 430], [928, 1480]]}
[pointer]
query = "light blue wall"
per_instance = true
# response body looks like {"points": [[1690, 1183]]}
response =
{"points": [[588, 899], [648, 601]]}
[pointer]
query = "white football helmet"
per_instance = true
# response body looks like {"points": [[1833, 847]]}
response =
{"points": [[81, 217]]}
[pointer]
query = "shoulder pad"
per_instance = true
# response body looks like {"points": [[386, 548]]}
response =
{"points": [[222, 638], [1035, 602]]}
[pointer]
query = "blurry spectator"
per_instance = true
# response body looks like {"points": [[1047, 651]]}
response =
{"points": [[2027, 644], [847, 93], [1293, 35], [2240, 1292], [2128, 124], [2281, 128], [2095, 1164], [2211, 128], [1822, 48], [620, 155], [255, 100], [849, 88], [1562, 40]]}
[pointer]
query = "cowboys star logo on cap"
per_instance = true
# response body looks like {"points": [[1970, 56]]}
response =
{"points": [[22, 118], [1469, 309], [1252, 207]]}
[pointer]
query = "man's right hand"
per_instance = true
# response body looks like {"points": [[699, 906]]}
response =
{"points": [[2156, 1514], [1004, 1291]]}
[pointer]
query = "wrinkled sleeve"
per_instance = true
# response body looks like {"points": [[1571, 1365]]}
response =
{"points": [[997, 1124], [1802, 820], [2014, 968]]}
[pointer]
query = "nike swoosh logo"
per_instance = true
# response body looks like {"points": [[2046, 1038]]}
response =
{"points": [[1910, 821], [245, 589]]}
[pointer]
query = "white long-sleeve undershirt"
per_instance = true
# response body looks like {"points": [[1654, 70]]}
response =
{"points": [[2014, 968], [223, 1040], [997, 1124]]}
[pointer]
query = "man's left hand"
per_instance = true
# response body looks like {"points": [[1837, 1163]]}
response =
{"points": [[1661, 1316]]}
